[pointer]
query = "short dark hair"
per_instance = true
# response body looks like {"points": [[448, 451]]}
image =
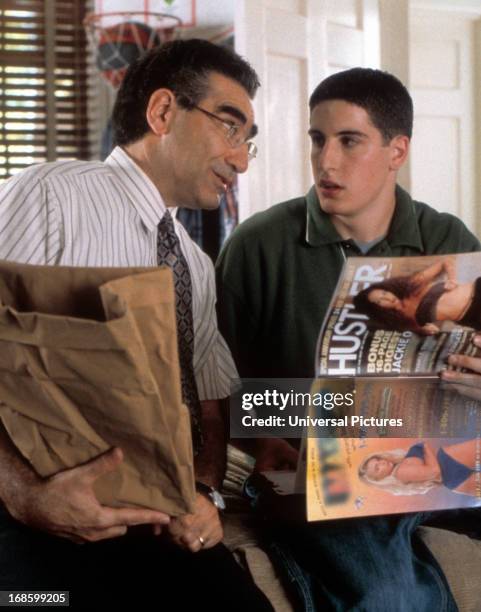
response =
{"points": [[182, 66], [380, 94]]}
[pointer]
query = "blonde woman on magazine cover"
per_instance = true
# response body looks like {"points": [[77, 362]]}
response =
{"points": [[420, 468]]}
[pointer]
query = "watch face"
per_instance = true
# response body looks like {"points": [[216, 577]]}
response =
{"points": [[217, 500]]}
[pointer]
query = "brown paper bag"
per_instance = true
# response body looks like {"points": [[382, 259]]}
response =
{"points": [[88, 360]]}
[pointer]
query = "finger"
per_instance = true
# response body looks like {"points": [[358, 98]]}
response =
{"points": [[184, 543], [110, 517], [208, 533], [193, 544], [157, 529], [212, 541], [95, 535], [67, 536], [470, 391], [213, 536], [175, 529], [107, 462], [460, 378], [465, 387], [91, 535], [464, 361]]}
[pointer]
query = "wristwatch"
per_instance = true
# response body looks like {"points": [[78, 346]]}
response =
{"points": [[212, 495]]}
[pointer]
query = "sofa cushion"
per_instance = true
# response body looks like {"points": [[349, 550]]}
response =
{"points": [[460, 559]]}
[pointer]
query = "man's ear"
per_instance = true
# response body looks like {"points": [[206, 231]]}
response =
{"points": [[399, 147], [161, 110]]}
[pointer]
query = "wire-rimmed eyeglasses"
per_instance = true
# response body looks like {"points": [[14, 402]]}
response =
{"points": [[233, 133]]}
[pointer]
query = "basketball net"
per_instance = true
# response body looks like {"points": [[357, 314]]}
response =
{"points": [[118, 39]]}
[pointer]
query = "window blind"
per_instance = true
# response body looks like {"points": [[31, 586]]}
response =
{"points": [[43, 83]]}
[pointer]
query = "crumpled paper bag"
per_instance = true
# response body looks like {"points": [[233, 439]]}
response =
{"points": [[88, 360]]}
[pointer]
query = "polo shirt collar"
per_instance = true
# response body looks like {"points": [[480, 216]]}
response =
{"points": [[404, 228], [403, 231], [138, 187], [319, 227]]}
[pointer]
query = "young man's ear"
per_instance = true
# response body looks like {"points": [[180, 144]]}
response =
{"points": [[399, 147], [160, 111]]}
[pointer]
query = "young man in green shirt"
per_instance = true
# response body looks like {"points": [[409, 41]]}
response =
{"points": [[276, 276]]}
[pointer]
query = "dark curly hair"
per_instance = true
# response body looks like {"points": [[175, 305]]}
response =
{"points": [[402, 287], [380, 94], [182, 66]]}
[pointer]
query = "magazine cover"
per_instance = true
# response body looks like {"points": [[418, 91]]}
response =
{"points": [[391, 407], [348, 477], [400, 315], [391, 325]]}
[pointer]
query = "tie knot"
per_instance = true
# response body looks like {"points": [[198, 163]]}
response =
{"points": [[166, 224]]}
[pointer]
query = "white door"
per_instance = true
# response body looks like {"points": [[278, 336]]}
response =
{"points": [[442, 85], [293, 45]]}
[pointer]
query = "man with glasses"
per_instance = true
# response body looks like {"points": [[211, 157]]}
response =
{"points": [[233, 132], [182, 121]]}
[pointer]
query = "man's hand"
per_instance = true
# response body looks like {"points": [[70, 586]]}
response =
{"points": [[275, 454], [430, 329], [202, 529], [65, 504], [466, 383]]}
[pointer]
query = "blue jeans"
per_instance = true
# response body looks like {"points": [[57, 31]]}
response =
{"points": [[371, 564]]}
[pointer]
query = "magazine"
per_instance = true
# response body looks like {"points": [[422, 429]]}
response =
{"points": [[371, 329], [390, 327]]}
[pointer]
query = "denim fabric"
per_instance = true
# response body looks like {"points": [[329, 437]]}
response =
{"points": [[299, 580], [365, 565], [371, 564]]}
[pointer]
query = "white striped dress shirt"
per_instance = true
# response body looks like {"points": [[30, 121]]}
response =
{"points": [[106, 214]]}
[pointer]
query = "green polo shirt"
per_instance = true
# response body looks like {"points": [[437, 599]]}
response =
{"points": [[277, 272]]}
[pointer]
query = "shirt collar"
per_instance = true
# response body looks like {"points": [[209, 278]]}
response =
{"points": [[404, 228], [319, 227], [140, 190], [403, 231]]}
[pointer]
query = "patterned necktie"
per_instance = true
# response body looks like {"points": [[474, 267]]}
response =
{"points": [[169, 254]]}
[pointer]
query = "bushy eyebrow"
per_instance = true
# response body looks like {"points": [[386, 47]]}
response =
{"points": [[232, 110], [238, 114]]}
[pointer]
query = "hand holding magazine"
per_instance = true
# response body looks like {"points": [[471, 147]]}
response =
{"points": [[390, 328]]}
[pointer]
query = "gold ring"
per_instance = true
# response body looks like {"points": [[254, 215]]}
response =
{"points": [[201, 540]]}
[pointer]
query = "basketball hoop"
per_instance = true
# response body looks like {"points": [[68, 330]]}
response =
{"points": [[119, 38]]}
